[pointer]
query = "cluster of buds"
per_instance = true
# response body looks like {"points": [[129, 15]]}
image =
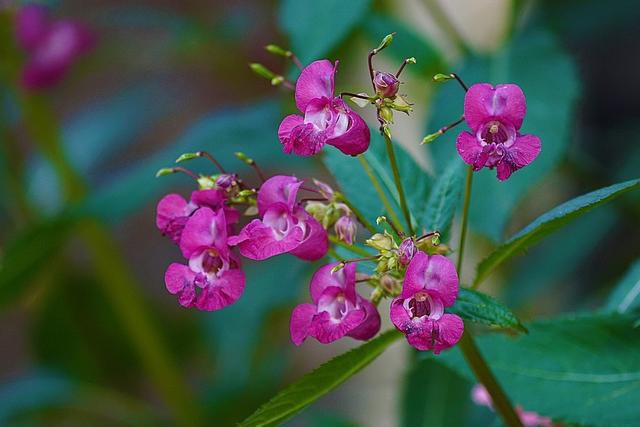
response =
{"points": [[332, 211]]}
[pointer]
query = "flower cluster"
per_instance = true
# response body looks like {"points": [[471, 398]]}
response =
{"points": [[51, 46]]}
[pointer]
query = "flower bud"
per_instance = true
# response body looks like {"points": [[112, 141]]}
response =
{"points": [[346, 228], [386, 84], [406, 251], [324, 189], [386, 114], [381, 242], [206, 182], [225, 180], [318, 210]]}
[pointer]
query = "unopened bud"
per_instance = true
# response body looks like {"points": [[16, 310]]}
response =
{"points": [[318, 210], [277, 80], [337, 267], [225, 180], [324, 189], [406, 251], [387, 282], [442, 77], [386, 114], [164, 171], [386, 41], [381, 242], [243, 157], [247, 193], [386, 84], [277, 50], [187, 156], [206, 182], [262, 71], [431, 137], [346, 228]]}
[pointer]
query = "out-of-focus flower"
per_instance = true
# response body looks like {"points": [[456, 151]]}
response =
{"points": [[327, 119], [495, 116], [481, 397], [386, 84], [212, 279], [337, 309], [430, 285], [52, 46], [346, 228], [285, 226]]}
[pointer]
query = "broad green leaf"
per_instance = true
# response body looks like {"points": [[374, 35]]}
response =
{"points": [[550, 222], [444, 199], [316, 27], [28, 252], [581, 369], [626, 296], [535, 61], [319, 382], [481, 308]]}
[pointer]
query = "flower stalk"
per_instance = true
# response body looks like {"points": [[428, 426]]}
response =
{"points": [[383, 197], [398, 181]]}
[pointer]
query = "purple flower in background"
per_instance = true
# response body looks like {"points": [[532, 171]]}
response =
{"points": [[337, 309], [212, 279], [285, 226], [430, 285], [327, 119], [495, 116], [52, 46], [481, 397]]}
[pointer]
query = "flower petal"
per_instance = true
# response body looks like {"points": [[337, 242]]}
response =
{"points": [[204, 229], [421, 337], [399, 315], [523, 151], [212, 198], [177, 277], [370, 324], [356, 137], [505, 103], [345, 278], [315, 81], [224, 291], [300, 324], [326, 330], [171, 215], [287, 125], [315, 243], [437, 274], [447, 332], [278, 189], [258, 241], [470, 150]]}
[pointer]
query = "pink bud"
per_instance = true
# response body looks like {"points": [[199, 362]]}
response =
{"points": [[406, 251], [386, 84], [225, 180], [346, 228]]}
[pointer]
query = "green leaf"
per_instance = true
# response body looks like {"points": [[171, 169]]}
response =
{"points": [[535, 61], [581, 369], [28, 252], [626, 295], [316, 27], [444, 199], [482, 308], [549, 222], [319, 382]]}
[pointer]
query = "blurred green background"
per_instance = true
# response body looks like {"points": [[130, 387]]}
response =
{"points": [[89, 335]]}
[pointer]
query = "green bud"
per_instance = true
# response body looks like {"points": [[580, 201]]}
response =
{"points": [[247, 193], [435, 240], [164, 171], [187, 156], [381, 242], [243, 157], [401, 104], [206, 182], [387, 131], [381, 219], [262, 71], [277, 50], [411, 60], [338, 267], [277, 80], [386, 41], [431, 137], [318, 210], [442, 77], [386, 114]]}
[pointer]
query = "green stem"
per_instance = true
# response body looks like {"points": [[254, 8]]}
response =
{"points": [[355, 249], [398, 181], [467, 344], [361, 218], [465, 218], [383, 197]]}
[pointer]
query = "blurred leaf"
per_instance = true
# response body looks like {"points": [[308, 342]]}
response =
{"points": [[406, 44], [481, 308], [550, 222], [444, 199], [581, 369], [434, 396], [316, 27], [548, 78], [319, 382], [28, 252], [626, 295], [326, 419], [251, 130]]}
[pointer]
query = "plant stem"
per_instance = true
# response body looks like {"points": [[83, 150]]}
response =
{"points": [[465, 217], [358, 214], [355, 249], [467, 344], [383, 197], [398, 181]]}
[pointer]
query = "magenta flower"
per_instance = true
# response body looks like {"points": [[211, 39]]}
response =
{"points": [[430, 285], [386, 84], [337, 309], [406, 251], [212, 279], [52, 46], [173, 211], [327, 119], [481, 397], [346, 229], [495, 117], [285, 225]]}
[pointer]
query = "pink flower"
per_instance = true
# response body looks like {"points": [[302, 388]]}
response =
{"points": [[346, 228], [406, 251], [430, 285], [495, 117], [212, 278], [327, 119], [481, 397], [337, 309], [173, 211], [386, 84], [52, 46], [285, 226]]}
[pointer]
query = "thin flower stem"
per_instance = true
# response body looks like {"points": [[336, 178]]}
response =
{"points": [[484, 375], [353, 248], [404, 64], [465, 218], [186, 172], [398, 181], [296, 61], [443, 129], [354, 95], [383, 197], [212, 160], [424, 236], [467, 344], [459, 80], [289, 85], [358, 214], [370, 62]]}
